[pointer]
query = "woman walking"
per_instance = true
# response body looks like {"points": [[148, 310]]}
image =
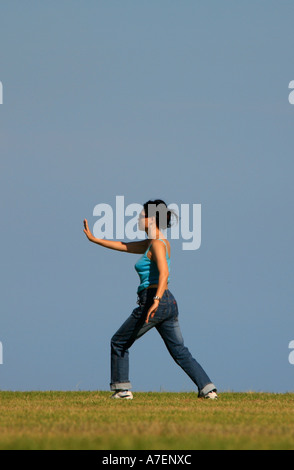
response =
{"points": [[157, 305]]}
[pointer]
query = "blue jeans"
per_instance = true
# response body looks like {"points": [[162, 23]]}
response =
{"points": [[166, 322]]}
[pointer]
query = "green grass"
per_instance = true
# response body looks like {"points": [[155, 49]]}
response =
{"points": [[152, 421]]}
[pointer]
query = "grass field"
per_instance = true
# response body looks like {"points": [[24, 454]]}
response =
{"points": [[152, 421]]}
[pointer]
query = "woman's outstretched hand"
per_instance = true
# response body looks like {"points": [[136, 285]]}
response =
{"points": [[87, 230]]}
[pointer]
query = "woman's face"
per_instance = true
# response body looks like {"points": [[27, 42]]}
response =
{"points": [[142, 220]]}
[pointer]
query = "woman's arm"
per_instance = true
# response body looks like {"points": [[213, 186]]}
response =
{"points": [[158, 252], [132, 247]]}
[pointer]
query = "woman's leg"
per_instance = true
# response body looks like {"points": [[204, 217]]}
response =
{"points": [[132, 329], [171, 334]]}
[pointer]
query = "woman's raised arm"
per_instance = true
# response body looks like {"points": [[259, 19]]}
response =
{"points": [[131, 247]]}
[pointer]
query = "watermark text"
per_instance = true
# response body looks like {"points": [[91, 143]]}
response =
{"points": [[188, 227], [291, 95], [291, 355]]}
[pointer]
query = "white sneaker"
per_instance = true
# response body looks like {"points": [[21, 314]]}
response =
{"points": [[123, 394], [211, 395]]}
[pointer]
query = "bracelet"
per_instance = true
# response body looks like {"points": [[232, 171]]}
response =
{"points": [[157, 298]]}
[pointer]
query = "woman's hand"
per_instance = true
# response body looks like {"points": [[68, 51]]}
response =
{"points": [[88, 231], [152, 310]]}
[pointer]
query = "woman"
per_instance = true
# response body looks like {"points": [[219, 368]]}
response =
{"points": [[157, 305]]}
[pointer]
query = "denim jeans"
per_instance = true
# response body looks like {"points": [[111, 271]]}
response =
{"points": [[166, 322]]}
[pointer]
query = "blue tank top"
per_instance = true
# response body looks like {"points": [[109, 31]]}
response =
{"points": [[148, 271]]}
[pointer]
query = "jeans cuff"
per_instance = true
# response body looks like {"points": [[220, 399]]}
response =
{"points": [[208, 388], [121, 386]]}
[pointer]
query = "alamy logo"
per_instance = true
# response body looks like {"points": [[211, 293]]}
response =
{"points": [[188, 228], [1, 353], [1, 93], [291, 355], [291, 96]]}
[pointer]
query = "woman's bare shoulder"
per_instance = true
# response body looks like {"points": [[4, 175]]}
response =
{"points": [[157, 243]]}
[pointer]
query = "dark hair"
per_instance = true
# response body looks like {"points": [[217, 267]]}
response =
{"points": [[159, 209]]}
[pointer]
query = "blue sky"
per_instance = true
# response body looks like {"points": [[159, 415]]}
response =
{"points": [[182, 101]]}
